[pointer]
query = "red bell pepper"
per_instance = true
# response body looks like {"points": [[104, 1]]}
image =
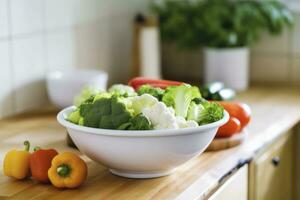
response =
{"points": [[139, 81], [40, 162]]}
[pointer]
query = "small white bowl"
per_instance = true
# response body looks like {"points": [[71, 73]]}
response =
{"points": [[63, 86], [141, 154]]}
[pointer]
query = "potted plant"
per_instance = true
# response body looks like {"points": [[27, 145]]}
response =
{"points": [[225, 29]]}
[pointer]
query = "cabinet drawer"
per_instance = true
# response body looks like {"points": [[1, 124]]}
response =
{"points": [[235, 188], [271, 172]]}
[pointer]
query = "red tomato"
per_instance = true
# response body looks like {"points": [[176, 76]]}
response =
{"points": [[139, 81], [233, 126], [241, 111]]}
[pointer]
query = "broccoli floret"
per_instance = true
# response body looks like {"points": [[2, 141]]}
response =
{"points": [[74, 116], [212, 112], [204, 112], [194, 111], [107, 113], [154, 91], [138, 122], [102, 95], [81, 121], [180, 97], [199, 100], [86, 94]]}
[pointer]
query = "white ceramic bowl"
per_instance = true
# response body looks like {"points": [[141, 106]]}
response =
{"points": [[141, 154], [63, 86]]}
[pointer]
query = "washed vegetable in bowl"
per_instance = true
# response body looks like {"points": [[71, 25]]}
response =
{"points": [[154, 91], [127, 122], [149, 104]]}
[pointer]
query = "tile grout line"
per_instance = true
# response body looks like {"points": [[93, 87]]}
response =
{"points": [[45, 49], [44, 33], [11, 62], [58, 29]]}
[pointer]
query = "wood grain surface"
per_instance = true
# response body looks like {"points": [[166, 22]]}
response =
{"points": [[225, 143], [275, 110]]}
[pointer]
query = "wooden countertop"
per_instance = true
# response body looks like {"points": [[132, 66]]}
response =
{"points": [[275, 110]]}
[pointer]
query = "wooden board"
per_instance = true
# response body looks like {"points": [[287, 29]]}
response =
{"points": [[275, 110], [226, 143]]}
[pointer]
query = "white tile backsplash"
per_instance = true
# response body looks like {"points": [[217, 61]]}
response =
{"points": [[47, 35], [27, 16], [6, 92], [60, 46], [106, 45], [4, 29], [129, 6], [62, 16], [91, 10], [29, 69], [93, 48]]}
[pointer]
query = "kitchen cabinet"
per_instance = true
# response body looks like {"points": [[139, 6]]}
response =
{"points": [[271, 171], [235, 187]]}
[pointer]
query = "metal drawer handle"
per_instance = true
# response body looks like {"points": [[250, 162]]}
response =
{"points": [[276, 161]]}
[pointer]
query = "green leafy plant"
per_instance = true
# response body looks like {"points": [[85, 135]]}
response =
{"points": [[220, 23]]}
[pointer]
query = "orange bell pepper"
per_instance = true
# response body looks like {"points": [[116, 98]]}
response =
{"points": [[40, 162], [16, 163], [67, 170]]}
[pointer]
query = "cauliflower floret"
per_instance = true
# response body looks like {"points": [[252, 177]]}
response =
{"points": [[122, 90], [143, 101], [182, 123], [171, 110], [191, 123], [160, 116]]}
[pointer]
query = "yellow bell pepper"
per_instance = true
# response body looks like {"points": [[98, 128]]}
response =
{"points": [[16, 163], [67, 170]]}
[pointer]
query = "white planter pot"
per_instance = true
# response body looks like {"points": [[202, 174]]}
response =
{"points": [[228, 65]]}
